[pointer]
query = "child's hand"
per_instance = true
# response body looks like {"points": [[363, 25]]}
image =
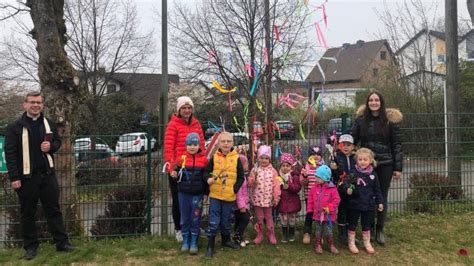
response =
{"points": [[380, 209], [275, 203], [285, 186], [174, 174], [349, 191], [333, 165], [211, 181], [304, 172], [326, 209], [204, 199], [243, 210]]}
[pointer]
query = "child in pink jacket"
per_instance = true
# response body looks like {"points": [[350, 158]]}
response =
{"points": [[241, 214], [265, 193], [323, 201]]}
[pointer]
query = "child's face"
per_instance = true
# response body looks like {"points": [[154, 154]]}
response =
{"points": [[264, 161], [192, 148], [285, 168], [319, 181], [346, 148], [226, 143], [363, 160]]}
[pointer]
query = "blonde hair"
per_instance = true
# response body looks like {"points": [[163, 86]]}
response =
{"points": [[224, 134], [367, 152]]}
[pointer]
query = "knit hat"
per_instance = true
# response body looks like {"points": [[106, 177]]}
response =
{"points": [[315, 150], [287, 158], [346, 138], [324, 173], [183, 100], [264, 150], [192, 138]]}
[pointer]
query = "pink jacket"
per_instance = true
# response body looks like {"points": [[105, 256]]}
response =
{"points": [[243, 196], [321, 197], [265, 186], [290, 199]]}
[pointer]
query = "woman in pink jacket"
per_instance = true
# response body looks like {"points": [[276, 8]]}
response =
{"points": [[323, 201]]}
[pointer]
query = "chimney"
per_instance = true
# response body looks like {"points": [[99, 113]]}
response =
{"points": [[360, 43], [345, 45]]}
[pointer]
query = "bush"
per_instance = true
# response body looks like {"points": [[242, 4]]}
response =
{"points": [[96, 172], [429, 191], [125, 213]]}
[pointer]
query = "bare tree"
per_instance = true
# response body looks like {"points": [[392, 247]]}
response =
{"points": [[225, 41]]}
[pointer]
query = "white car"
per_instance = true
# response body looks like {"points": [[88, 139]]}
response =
{"points": [[136, 142], [82, 144]]}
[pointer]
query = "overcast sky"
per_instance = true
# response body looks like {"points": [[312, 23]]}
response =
{"points": [[348, 20]]}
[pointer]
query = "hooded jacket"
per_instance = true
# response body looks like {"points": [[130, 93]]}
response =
{"points": [[387, 149], [321, 197], [290, 199]]}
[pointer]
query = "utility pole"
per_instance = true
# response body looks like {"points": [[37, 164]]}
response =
{"points": [[268, 72], [164, 111], [452, 90]]}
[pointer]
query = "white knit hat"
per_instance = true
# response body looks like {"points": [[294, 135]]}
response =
{"points": [[183, 100]]}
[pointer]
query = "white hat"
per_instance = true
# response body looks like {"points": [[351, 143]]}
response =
{"points": [[183, 100], [346, 138]]}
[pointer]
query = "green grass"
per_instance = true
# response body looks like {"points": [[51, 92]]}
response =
{"points": [[415, 239]]}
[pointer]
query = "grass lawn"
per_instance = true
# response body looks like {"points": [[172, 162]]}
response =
{"points": [[417, 239]]}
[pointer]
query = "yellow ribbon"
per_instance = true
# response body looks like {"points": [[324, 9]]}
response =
{"points": [[259, 106], [219, 87], [312, 161]]}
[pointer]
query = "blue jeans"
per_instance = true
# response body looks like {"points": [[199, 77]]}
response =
{"points": [[219, 216], [190, 207]]}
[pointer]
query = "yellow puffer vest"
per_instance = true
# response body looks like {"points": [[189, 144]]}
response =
{"points": [[225, 173]]}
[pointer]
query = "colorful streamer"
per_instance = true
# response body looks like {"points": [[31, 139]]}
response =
{"points": [[219, 87], [320, 36], [277, 33], [265, 56], [255, 80], [259, 106]]}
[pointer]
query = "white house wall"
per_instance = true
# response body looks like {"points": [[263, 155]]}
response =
{"points": [[339, 97]]}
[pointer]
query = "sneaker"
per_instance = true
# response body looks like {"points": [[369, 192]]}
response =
{"points": [[179, 236], [30, 253], [65, 248]]}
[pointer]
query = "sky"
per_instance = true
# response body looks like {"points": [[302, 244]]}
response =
{"points": [[348, 20]]}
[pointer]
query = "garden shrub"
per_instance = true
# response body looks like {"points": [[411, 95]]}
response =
{"points": [[97, 172]]}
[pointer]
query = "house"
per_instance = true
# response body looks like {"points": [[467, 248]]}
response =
{"points": [[349, 69], [144, 87]]}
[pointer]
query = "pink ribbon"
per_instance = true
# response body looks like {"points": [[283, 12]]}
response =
{"points": [[320, 36], [325, 17], [210, 55], [289, 101], [250, 70], [277, 33], [265, 55], [360, 180]]}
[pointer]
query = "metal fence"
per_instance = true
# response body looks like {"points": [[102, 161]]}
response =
{"points": [[105, 194]]}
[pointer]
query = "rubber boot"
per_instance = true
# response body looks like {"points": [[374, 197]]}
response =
{"points": [[210, 246], [331, 245], [379, 235], [366, 239], [318, 247], [291, 234], [194, 244], [185, 246], [271, 235], [351, 235], [284, 234], [226, 242], [342, 229], [307, 235], [259, 238]]}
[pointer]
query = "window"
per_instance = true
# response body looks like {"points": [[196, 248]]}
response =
{"points": [[111, 88], [383, 55], [375, 72], [441, 58]]}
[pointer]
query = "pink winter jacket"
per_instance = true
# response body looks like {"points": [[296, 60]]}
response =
{"points": [[243, 196], [321, 197], [265, 186]]}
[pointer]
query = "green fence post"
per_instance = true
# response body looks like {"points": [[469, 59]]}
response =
{"points": [[148, 180], [344, 117], [3, 164]]}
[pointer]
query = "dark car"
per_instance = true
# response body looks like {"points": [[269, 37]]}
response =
{"points": [[286, 129], [335, 125], [210, 130]]}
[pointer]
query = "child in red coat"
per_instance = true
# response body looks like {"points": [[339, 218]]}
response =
{"points": [[323, 201]]}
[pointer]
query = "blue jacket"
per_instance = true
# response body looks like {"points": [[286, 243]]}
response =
{"points": [[345, 164], [366, 190]]}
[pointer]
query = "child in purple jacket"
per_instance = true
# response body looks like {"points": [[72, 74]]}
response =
{"points": [[241, 214], [323, 201], [290, 203]]}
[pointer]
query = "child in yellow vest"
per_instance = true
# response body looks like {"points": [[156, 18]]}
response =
{"points": [[226, 178]]}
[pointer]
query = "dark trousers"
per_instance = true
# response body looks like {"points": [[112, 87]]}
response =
{"points": [[384, 173], [43, 187], [342, 210], [308, 220], [366, 219], [219, 216], [175, 203], [191, 211], [242, 219]]}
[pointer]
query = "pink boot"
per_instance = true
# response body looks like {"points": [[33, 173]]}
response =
{"points": [[259, 238], [271, 235]]}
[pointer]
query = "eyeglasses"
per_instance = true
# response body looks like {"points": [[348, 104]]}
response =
{"points": [[35, 102]]}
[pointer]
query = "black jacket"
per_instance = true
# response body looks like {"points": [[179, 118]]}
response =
{"points": [[387, 149], [13, 146], [366, 190]]}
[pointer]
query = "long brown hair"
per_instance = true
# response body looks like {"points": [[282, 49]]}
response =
{"points": [[383, 127]]}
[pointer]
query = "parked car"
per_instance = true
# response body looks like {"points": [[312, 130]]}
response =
{"points": [[86, 142], [258, 129], [136, 142], [335, 125], [209, 131], [84, 157], [286, 128]]}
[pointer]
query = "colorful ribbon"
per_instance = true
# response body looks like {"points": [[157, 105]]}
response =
{"points": [[255, 80], [320, 36], [219, 87], [259, 106], [277, 33]]}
